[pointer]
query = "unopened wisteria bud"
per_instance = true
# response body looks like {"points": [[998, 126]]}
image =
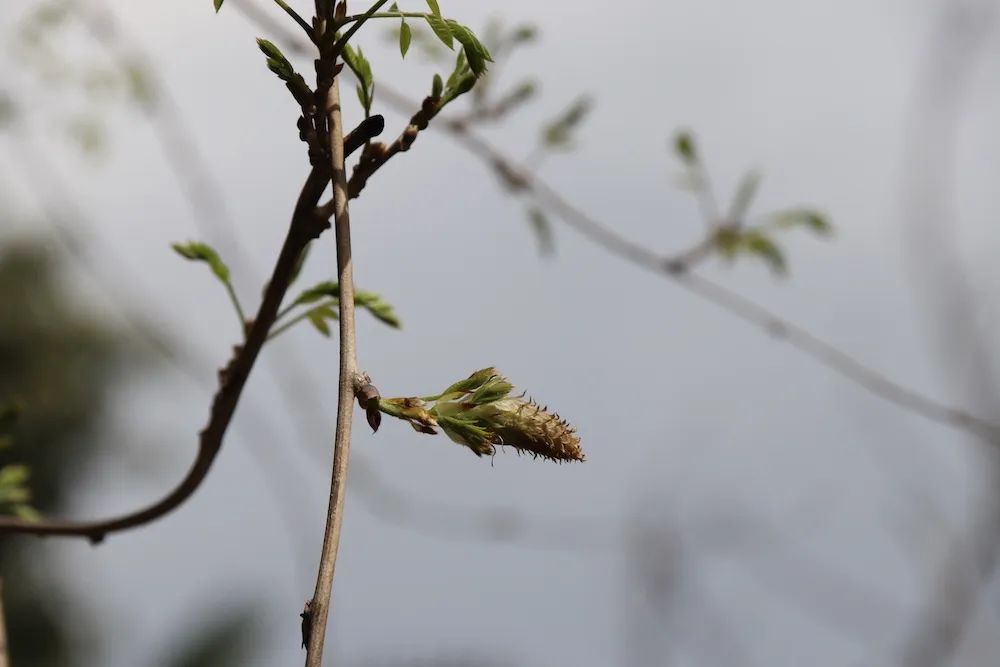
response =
{"points": [[524, 425], [479, 413]]}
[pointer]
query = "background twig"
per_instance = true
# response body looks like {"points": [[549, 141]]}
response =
{"points": [[959, 40]]}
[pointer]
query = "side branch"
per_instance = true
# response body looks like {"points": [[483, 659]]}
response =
{"points": [[304, 227], [377, 154]]}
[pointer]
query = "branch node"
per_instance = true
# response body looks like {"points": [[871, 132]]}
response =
{"points": [[368, 398]]}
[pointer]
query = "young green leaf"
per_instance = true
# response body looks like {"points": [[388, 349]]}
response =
{"points": [[461, 87], [276, 60], [269, 49], [375, 305], [440, 28], [744, 196], [523, 34], [355, 59], [405, 37], [14, 492], [203, 252], [807, 218], [437, 87], [475, 52], [218, 5], [352, 60], [460, 70], [317, 319], [329, 289], [326, 289], [685, 147], [435, 9], [319, 315], [558, 133], [761, 245]]}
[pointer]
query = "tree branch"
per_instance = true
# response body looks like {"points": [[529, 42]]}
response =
{"points": [[304, 227], [373, 158], [318, 609]]}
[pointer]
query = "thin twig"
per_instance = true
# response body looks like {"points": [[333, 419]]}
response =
{"points": [[296, 17], [278, 330], [319, 608], [235, 300], [358, 22], [267, 23], [304, 227], [375, 156]]}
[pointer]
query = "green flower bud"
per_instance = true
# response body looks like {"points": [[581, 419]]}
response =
{"points": [[526, 426], [479, 413]]}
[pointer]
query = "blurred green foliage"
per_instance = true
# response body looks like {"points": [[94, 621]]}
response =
{"points": [[57, 364]]}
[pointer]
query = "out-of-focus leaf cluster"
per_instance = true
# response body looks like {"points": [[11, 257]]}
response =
{"points": [[734, 234], [15, 494]]}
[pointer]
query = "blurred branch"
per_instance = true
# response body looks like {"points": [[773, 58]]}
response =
{"points": [[826, 354], [678, 615], [303, 228], [735, 304], [959, 39]]}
